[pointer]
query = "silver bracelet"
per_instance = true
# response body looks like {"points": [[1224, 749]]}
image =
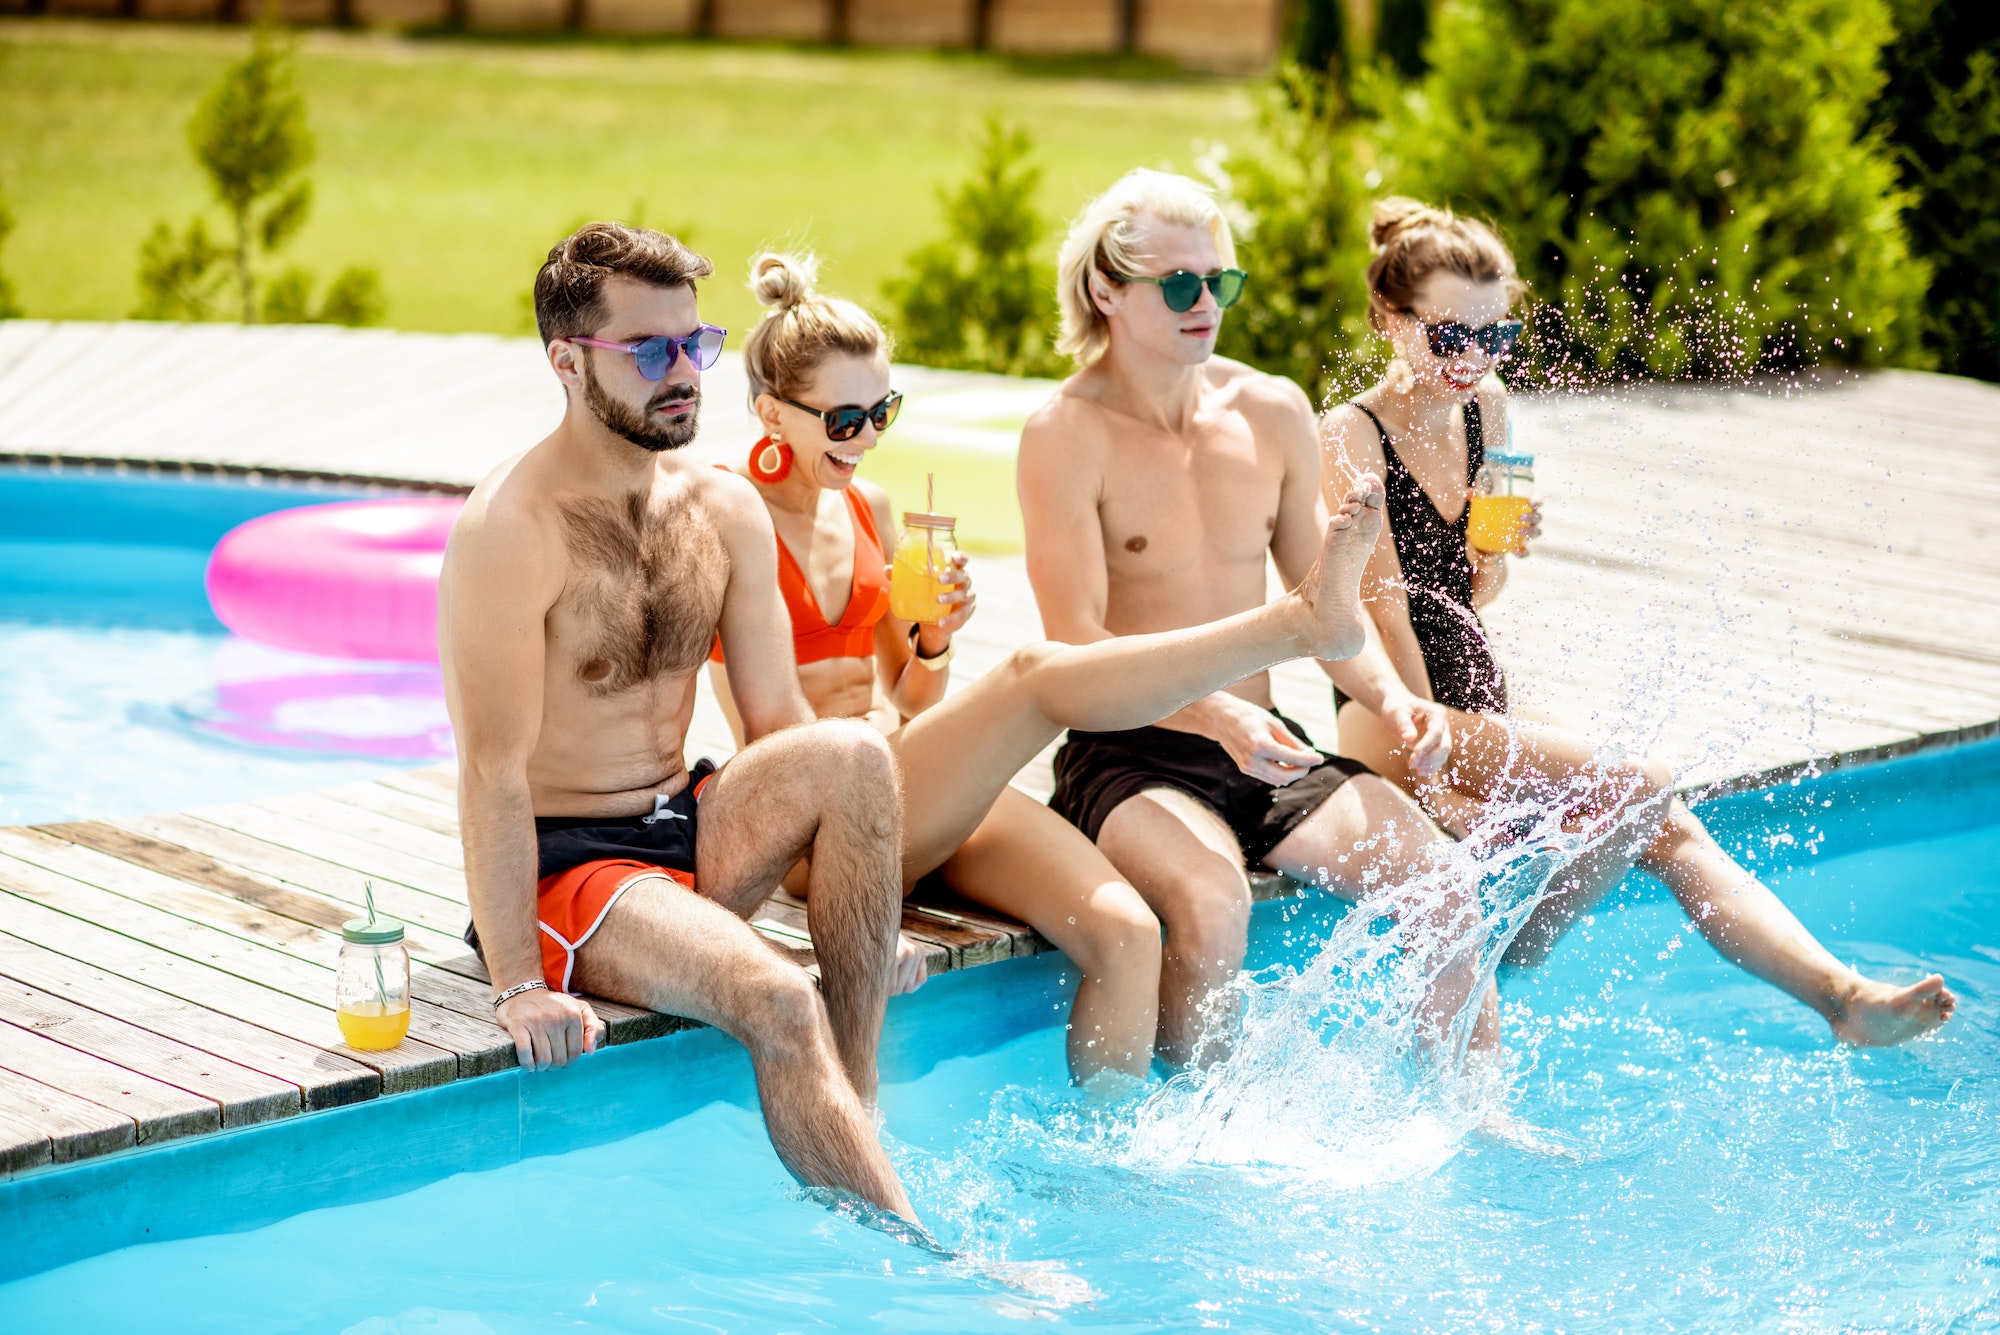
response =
{"points": [[517, 989]]}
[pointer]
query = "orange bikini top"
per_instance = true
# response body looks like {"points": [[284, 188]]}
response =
{"points": [[867, 603]]}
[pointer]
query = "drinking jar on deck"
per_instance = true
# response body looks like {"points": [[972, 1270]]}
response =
{"points": [[372, 988]]}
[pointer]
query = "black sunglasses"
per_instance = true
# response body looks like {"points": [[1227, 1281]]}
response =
{"points": [[1448, 338], [1181, 289], [844, 423]]}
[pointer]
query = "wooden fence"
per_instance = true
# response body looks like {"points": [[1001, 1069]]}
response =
{"points": [[1223, 35]]}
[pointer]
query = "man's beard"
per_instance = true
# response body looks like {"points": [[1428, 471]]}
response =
{"points": [[637, 425]]}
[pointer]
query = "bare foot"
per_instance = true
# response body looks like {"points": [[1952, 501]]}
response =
{"points": [[1880, 1015], [1331, 590]]}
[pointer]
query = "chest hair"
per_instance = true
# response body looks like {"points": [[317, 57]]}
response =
{"points": [[648, 592]]}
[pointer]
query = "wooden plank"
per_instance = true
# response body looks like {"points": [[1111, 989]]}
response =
{"points": [[195, 868], [395, 835], [279, 862], [414, 1065], [381, 800], [440, 779], [24, 1144], [473, 1043], [243, 1096], [360, 855], [312, 944], [76, 1128], [159, 1112], [625, 1024], [323, 1079]]}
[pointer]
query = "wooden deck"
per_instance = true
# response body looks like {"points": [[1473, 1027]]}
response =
{"points": [[1738, 581]]}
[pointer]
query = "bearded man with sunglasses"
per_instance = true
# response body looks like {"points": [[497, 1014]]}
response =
{"points": [[582, 589], [1155, 486]]}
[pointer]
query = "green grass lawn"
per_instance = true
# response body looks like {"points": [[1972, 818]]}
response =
{"points": [[450, 165]]}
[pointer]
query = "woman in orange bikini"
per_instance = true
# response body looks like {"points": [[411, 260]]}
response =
{"points": [[819, 371], [1441, 289]]}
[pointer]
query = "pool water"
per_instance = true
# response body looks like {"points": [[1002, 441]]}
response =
{"points": [[122, 693], [1687, 1150]]}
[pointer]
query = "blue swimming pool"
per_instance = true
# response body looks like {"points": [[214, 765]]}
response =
{"points": [[121, 693], [1690, 1152]]}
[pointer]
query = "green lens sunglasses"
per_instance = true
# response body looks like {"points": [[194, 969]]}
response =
{"points": [[1181, 289]]}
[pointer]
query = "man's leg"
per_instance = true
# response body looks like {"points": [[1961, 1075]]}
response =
{"points": [[1370, 839], [1186, 864], [672, 950], [827, 790]]}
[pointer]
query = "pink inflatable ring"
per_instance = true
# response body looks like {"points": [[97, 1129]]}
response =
{"points": [[352, 579]]}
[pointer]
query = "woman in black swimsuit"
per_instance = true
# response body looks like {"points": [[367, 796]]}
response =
{"points": [[1441, 289]]}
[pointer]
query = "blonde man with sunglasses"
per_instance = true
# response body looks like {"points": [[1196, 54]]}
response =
{"points": [[1155, 487]]}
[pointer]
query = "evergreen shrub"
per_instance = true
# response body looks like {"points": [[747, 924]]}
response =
{"points": [[1300, 214], [1692, 187], [249, 135], [1941, 110], [977, 298]]}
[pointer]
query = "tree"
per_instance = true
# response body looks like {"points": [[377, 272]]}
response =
{"points": [[1941, 111], [250, 137], [1301, 219], [1691, 186], [10, 309], [977, 298]]}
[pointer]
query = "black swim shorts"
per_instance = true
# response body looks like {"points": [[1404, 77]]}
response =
{"points": [[587, 862], [1095, 771]]}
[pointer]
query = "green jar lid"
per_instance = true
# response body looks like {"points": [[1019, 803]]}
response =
{"points": [[378, 932]]}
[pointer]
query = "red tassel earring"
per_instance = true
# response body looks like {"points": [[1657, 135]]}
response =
{"points": [[770, 461]]}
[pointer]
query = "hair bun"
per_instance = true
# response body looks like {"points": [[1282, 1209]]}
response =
{"points": [[1399, 213], [783, 281]]}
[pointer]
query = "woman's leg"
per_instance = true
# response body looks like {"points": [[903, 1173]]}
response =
{"points": [[1753, 929], [1026, 861], [1734, 911], [963, 750], [1620, 805]]}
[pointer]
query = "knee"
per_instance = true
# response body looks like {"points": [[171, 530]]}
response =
{"points": [[1026, 661], [857, 750], [1120, 935], [785, 1020], [859, 772], [1212, 927]]}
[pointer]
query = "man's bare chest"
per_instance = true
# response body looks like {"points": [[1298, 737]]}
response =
{"points": [[644, 595], [1166, 512]]}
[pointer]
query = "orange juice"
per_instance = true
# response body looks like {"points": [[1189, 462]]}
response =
{"points": [[1497, 521], [923, 555], [372, 1027]]}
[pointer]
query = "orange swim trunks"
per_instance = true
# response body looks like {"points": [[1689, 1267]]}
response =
{"points": [[572, 906]]}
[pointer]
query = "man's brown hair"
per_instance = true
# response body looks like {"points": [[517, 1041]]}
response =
{"points": [[569, 289]]}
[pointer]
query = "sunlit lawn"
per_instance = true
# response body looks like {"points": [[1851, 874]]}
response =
{"points": [[450, 165]]}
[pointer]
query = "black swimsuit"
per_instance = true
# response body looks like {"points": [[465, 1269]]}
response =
{"points": [[1438, 576]]}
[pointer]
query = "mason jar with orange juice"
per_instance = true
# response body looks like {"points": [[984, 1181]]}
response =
{"points": [[917, 572], [372, 983], [1501, 502]]}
